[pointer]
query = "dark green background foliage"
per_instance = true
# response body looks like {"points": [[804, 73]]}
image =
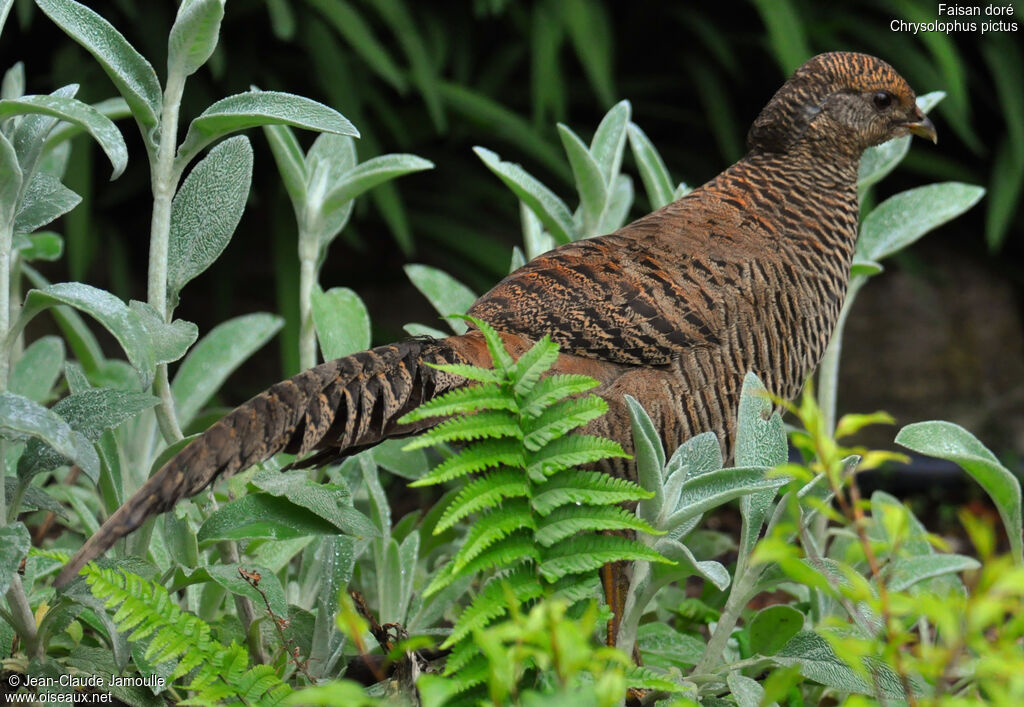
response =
{"points": [[435, 79]]}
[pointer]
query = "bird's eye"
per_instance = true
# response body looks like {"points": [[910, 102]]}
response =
{"points": [[882, 100]]}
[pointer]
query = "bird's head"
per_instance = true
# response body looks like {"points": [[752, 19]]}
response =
{"points": [[842, 99]]}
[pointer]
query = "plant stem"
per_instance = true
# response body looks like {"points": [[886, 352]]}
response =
{"points": [[828, 370], [164, 177], [307, 281], [6, 243], [22, 618]]}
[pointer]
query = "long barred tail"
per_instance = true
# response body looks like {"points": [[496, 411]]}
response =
{"points": [[336, 408]]}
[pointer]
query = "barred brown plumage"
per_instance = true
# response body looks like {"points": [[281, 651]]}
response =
{"points": [[746, 273]]}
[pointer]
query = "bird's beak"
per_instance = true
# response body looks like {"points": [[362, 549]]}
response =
{"points": [[922, 127]]}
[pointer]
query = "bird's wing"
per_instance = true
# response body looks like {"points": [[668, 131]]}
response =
{"points": [[616, 298]]}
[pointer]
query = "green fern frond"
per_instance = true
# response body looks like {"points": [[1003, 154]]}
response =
{"points": [[473, 373], [512, 550], [492, 602], [577, 587], [532, 365], [463, 401], [485, 454], [552, 389], [494, 424], [492, 527], [561, 418], [480, 494], [589, 487], [221, 674], [566, 521], [586, 553], [567, 452], [499, 356]]}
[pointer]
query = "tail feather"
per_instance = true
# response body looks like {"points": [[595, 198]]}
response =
{"points": [[336, 409]]}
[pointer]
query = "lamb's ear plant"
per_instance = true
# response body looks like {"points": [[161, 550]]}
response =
{"points": [[542, 524]]}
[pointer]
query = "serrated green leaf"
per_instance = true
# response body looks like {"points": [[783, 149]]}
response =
{"points": [[486, 454], [194, 35], [473, 373], [341, 320], [493, 527], [551, 210], [561, 418], [653, 173], [21, 418], [255, 108], [45, 199], [946, 440], [552, 389], [591, 487], [445, 293], [571, 451], [130, 72], [291, 162], [206, 210], [566, 521], [108, 310], [213, 359], [461, 401], [902, 219], [496, 424], [516, 549], [590, 552], [482, 493], [533, 364]]}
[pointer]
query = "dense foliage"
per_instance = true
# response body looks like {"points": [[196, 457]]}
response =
{"points": [[309, 573]]}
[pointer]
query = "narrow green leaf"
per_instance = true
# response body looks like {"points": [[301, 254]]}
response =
{"points": [[653, 172], [448, 295], [14, 542], [45, 199], [342, 322], [360, 36], [206, 210], [111, 108], [290, 162], [10, 181], [101, 128], [609, 141], [620, 201], [905, 572], [588, 27], [194, 35], [551, 210], [590, 182], [109, 311], [687, 565], [650, 459], [760, 441], [329, 159], [902, 219], [369, 174], [946, 440], [41, 245], [214, 358], [29, 136], [255, 108], [786, 33], [130, 72], [21, 418], [702, 493], [38, 369], [5, 7]]}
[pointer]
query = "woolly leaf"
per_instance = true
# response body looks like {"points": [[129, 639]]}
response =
{"points": [[717, 487], [483, 455], [462, 401], [568, 520], [485, 492], [495, 424], [552, 389], [567, 452], [532, 364], [591, 487], [492, 527], [561, 418], [588, 554]]}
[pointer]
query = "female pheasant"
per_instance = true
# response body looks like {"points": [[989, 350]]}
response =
{"points": [[746, 273]]}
